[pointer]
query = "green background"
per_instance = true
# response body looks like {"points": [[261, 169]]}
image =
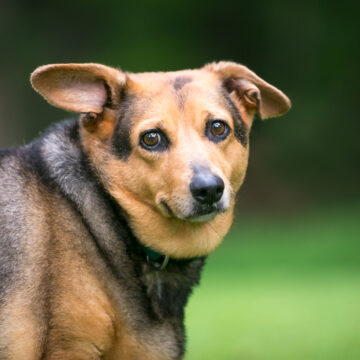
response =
{"points": [[285, 284]]}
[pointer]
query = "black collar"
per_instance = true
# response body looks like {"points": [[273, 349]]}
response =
{"points": [[160, 261]]}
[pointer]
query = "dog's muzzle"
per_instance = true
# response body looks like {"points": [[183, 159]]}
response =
{"points": [[208, 198]]}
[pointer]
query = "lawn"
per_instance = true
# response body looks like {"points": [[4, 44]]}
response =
{"points": [[281, 288]]}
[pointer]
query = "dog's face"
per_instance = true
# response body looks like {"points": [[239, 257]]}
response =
{"points": [[172, 148], [177, 145]]}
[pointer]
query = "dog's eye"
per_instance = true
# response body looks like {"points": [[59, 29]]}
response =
{"points": [[154, 140], [151, 139], [217, 130]]}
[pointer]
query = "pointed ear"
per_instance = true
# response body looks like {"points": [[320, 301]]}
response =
{"points": [[255, 93], [81, 88]]}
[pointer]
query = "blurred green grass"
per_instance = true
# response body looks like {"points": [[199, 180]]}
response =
{"points": [[281, 288]]}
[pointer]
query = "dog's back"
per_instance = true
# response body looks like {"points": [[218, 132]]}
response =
{"points": [[22, 214], [12, 201]]}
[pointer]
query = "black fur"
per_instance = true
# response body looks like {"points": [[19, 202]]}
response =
{"points": [[11, 251], [121, 139], [241, 131], [58, 162]]}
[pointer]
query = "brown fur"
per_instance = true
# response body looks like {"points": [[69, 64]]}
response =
{"points": [[70, 303], [87, 321], [126, 183]]}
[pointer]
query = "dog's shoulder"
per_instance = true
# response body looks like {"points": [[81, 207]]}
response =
{"points": [[27, 195]]}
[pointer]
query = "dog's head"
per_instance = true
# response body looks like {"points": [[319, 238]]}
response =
{"points": [[172, 148]]}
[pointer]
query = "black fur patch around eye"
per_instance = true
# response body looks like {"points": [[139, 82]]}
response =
{"points": [[120, 142], [240, 128]]}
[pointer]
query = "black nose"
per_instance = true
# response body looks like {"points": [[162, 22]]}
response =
{"points": [[207, 188]]}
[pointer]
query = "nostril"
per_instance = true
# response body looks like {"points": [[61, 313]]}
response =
{"points": [[202, 193], [219, 190]]}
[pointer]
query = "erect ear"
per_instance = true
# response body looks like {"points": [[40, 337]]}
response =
{"points": [[255, 93], [81, 88]]}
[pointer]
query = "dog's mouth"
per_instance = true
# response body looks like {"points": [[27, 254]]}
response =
{"points": [[167, 208], [200, 213], [204, 213], [203, 217]]}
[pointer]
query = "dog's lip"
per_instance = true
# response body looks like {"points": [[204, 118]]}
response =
{"points": [[205, 213], [167, 208], [202, 215]]}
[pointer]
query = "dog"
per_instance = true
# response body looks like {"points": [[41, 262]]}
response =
{"points": [[106, 221]]}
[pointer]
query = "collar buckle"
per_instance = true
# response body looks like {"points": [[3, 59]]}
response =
{"points": [[158, 264]]}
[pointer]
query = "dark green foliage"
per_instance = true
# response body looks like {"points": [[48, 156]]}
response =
{"points": [[307, 49]]}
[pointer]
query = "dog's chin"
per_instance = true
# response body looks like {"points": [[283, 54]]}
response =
{"points": [[202, 218]]}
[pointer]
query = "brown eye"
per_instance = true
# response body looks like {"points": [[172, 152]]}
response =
{"points": [[218, 128], [154, 140], [151, 139]]}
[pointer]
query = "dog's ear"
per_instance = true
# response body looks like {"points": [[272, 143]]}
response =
{"points": [[81, 88], [255, 94]]}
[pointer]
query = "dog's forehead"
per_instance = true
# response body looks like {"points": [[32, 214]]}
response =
{"points": [[153, 82], [179, 89]]}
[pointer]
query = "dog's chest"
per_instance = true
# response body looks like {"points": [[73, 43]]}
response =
{"points": [[151, 334], [158, 332], [156, 343], [112, 327]]}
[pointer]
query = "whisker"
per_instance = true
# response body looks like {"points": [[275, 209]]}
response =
{"points": [[220, 237]]}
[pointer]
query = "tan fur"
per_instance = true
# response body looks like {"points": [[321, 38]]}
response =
{"points": [[88, 321], [143, 180], [63, 85], [92, 317], [273, 101]]}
